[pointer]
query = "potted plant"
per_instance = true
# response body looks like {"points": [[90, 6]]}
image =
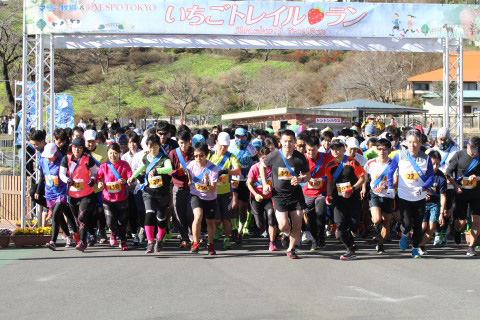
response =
{"points": [[5, 237], [31, 236]]}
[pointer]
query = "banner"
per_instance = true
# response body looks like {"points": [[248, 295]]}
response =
{"points": [[255, 18]]}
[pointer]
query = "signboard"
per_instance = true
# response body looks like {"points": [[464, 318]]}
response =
{"points": [[253, 18], [328, 120]]}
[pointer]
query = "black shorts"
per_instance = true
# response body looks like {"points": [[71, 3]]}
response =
{"points": [[385, 204], [460, 206], [154, 202], [291, 201], [209, 207], [224, 206], [242, 191]]}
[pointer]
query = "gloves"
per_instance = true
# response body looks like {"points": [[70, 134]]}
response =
{"points": [[91, 182], [417, 191], [328, 200], [222, 172], [390, 193]]}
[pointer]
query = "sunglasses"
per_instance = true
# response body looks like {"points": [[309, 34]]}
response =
{"points": [[162, 133], [382, 149], [301, 145]]}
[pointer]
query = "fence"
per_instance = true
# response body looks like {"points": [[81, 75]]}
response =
{"points": [[10, 197], [471, 122]]}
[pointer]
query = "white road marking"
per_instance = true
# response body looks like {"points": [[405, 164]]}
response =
{"points": [[49, 278], [376, 296]]}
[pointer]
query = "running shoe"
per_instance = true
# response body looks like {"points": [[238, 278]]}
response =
{"points": [[183, 244], [69, 242], [457, 236], [113, 240], [403, 242], [92, 241], [195, 247], [416, 253], [135, 240], [285, 241], [141, 235], [471, 252], [379, 248], [211, 249], [265, 234], [169, 234], [292, 254], [321, 243], [239, 238], [123, 246], [272, 246], [329, 232], [306, 237], [150, 247], [227, 245], [348, 255], [422, 251], [437, 242], [103, 236], [314, 246], [444, 240], [81, 246], [234, 235], [51, 245], [76, 236], [158, 246]]}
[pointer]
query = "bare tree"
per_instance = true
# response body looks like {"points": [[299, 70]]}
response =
{"points": [[183, 93]]}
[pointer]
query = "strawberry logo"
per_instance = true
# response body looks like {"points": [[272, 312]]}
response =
{"points": [[315, 15]]}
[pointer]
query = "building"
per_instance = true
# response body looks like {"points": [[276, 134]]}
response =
{"points": [[429, 86]]}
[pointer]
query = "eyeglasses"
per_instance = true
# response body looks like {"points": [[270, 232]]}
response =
{"points": [[162, 133], [382, 149]]}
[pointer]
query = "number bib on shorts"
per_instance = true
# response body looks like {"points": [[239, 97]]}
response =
{"points": [[284, 174], [155, 182], [467, 184], [223, 179], [113, 187], [78, 185], [410, 176], [51, 180], [202, 187], [315, 183], [342, 187]]}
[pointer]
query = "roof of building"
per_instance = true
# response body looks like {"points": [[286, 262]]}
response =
{"points": [[471, 70], [283, 111], [468, 95], [369, 106]]}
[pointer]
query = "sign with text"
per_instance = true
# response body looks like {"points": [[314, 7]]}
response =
{"points": [[328, 120]]}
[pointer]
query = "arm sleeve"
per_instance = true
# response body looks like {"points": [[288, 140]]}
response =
{"points": [[167, 167], [139, 171], [41, 179], [391, 171], [429, 174], [63, 174]]}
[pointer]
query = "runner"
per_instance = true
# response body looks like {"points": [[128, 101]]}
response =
{"points": [[290, 168], [227, 165], [81, 170], [203, 189], [381, 202], [156, 191], [56, 195], [112, 177], [345, 177], [415, 176], [261, 203], [463, 172]]}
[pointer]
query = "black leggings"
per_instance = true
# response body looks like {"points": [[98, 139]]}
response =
{"points": [[58, 220], [262, 208], [412, 216], [346, 216], [98, 215], [316, 216], [116, 215], [155, 210], [82, 209]]}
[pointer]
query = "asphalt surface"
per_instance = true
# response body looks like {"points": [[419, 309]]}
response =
{"points": [[245, 283]]}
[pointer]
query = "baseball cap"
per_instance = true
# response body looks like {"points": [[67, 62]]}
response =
{"points": [[443, 133], [90, 135], [352, 142], [419, 128], [78, 142], [386, 135], [326, 129], [223, 139], [337, 142], [240, 132], [372, 116], [370, 130], [197, 138], [257, 143], [49, 150]]}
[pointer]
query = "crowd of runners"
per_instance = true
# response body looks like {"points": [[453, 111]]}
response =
{"points": [[365, 181]]}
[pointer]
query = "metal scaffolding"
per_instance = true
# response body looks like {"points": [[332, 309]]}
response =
{"points": [[453, 88]]}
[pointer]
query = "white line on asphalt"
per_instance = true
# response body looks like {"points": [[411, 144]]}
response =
{"points": [[376, 296], [49, 278]]}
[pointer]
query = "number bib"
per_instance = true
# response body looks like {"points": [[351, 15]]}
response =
{"points": [[51, 180], [78, 185], [410, 176], [155, 182], [284, 174], [202, 187], [235, 181], [223, 179], [315, 183], [382, 183], [467, 184], [113, 187], [342, 187]]}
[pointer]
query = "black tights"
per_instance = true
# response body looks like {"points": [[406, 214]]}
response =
{"points": [[58, 220], [116, 215], [316, 216], [346, 215], [82, 209]]}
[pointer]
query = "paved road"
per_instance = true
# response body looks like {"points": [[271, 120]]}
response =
{"points": [[246, 283]]}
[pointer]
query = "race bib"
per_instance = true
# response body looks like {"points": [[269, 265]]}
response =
{"points": [[202, 187], [223, 179], [410, 176], [284, 174], [113, 187], [155, 182], [52, 180], [467, 184], [342, 187], [78, 185], [315, 183]]}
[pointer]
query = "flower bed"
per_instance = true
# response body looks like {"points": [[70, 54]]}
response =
{"points": [[5, 237], [31, 236]]}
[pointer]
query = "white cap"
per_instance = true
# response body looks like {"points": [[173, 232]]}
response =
{"points": [[90, 135], [352, 142], [49, 150], [223, 139], [443, 133]]}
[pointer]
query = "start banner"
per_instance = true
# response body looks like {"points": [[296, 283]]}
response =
{"points": [[252, 18]]}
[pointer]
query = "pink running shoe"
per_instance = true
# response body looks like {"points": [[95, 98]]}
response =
{"points": [[272, 246], [113, 240]]}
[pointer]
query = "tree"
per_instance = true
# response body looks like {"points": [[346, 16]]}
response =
{"points": [[10, 44], [183, 92]]}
